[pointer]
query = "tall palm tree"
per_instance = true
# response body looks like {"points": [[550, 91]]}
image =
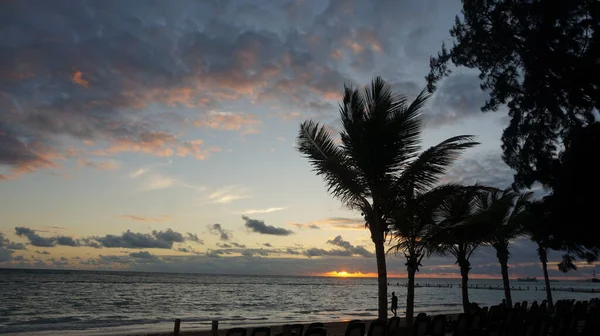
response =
{"points": [[377, 153], [460, 232], [505, 213], [413, 222], [537, 229]]}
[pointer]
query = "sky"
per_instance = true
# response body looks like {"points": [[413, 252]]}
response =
{"points": [[160, 135]]}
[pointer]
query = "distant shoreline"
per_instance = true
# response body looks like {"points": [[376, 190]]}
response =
{"points": [[394, 277]]}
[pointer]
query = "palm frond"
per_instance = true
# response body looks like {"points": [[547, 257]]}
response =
{"points": [[328, 160], [425, 171]]}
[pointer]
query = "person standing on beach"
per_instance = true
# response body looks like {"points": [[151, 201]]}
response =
{"points": [[394, 303]]}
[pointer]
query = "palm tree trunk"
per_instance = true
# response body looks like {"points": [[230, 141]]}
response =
{"points": [[381, 275], [465, 267], [410, 294], [503, 259], [544, 259]]}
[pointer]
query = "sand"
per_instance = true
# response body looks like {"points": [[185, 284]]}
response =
{"points": [[333, 329]]}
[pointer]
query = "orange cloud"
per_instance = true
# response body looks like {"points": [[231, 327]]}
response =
{"points": [[227, 121], [338, 223], [106, 165], [159, 144], [336, 54], [78, 79]]}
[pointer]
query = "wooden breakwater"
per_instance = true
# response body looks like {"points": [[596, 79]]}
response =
{"points": [[512, 288]]}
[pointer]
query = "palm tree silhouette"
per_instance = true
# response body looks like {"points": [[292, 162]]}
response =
{"points": [[460, 231], [536, 226], [376, 159], [505, 213], [413, 226]]}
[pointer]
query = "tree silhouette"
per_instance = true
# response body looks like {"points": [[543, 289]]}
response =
{"points": [[537, 226], [376, 159], [505, 213], [413, 227], [540, 58], [460, 231]]}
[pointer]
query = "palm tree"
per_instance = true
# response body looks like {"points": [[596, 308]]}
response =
{"points": [[505, 213], [460, 232], [412, 227], [377, 153], [537, 229]]}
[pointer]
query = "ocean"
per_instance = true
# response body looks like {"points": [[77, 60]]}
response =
{"points": [[93, 302]]}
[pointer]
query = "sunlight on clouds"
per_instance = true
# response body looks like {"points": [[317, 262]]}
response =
{"points": [[78, 79], [100, 165], [228, 121], [228, 194], [157, 219], [262, 211], [333, 223], [157, 182], [139, 172]]}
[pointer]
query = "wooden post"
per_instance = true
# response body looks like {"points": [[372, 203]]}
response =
{"points": [[177, 325], [215, 328]]}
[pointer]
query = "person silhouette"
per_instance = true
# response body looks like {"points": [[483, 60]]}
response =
{"points": [[394, 303]]}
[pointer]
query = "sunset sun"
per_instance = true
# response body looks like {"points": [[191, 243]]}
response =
{"points": [[346, 274]]}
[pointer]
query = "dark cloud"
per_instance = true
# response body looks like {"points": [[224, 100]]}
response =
{"points": [[356, 250], [488, 169], [91, 70], [142, 255], [34, 238], [217, 229], [347, 250], [259, 226], [168, 235], [457, 98], [128, 239], [5, 255], [194, 237], [5, 243], [66, 241]]}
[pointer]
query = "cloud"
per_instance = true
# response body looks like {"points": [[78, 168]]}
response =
{"points": [[333, 223], [259, 226], [128, 239], [158, 182], [228, 194], [229, 121], [100, 165], [263, 211], [5, 243], [139, 172], [356, 250], [156, 219], [142, 255], [217, 229], [458, 97], [487, 169], [194, 237], [34, 238], [37, 240], [109, 81]]}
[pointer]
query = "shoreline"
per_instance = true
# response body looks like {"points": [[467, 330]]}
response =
{"points": [[334, 328]]}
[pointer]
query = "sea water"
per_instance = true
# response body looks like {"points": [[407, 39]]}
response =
{"points": [[95, 302]]}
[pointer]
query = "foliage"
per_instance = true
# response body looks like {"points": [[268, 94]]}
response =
{"points": [[570, 206], [540, 57], [377, 159]]}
